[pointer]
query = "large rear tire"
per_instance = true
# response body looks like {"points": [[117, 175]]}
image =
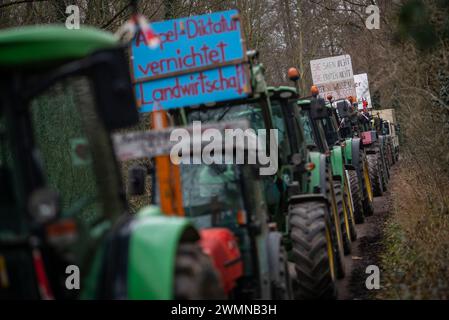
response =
{"points": [[337, 238], [357, 196], [344, 222], [313, 251], [368, 207], [349, 207], [195, 275], [375, 174]]}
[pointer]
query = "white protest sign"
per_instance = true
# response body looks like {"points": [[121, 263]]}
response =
{"points": [[362, 90], [333, 76]]}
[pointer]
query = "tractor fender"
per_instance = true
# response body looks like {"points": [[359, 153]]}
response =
{"points": [[337, 162], [319, 197], [108, 278], [348, 150], [318, 174], [153, 246], [222, 246], [355, 154]]}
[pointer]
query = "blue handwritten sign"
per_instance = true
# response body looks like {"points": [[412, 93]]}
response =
{"points": [[199, 60]]}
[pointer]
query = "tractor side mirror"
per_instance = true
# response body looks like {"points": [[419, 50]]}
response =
{"points": [[44, 205], [318, 109], [113, 88], [136, 180]]}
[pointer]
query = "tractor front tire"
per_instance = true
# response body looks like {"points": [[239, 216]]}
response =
{"points": [[313, 251], [195, 275]]}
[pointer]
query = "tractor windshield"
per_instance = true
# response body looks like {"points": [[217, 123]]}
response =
{"points": [[75, 154], [385, 128], [330, 131], [315, 127], [249, 111], [212, 194]]}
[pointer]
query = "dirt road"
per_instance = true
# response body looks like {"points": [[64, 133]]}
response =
{"points": [[365, 252]]}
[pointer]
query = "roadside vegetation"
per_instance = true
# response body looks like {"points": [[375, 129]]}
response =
{"points": [[416, 238]]}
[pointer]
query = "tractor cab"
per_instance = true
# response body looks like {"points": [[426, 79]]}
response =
{"points": [[295, 159], [347, 118], [311, 122], [62, 187]]}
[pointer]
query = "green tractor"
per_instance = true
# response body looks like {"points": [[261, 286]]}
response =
{"points": [[62, 206], [341, 158], [343, 173], [226, 202], [313, 112], [355, 156], [297, 205], [374, 148], [382, 128], [294, 144]]}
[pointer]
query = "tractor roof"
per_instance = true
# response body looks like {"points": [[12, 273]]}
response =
{"points": [[282, 88], [304, 102], [34, 45]]}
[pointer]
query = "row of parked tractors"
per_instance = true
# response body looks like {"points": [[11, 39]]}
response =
{"points": [[214, 231]]}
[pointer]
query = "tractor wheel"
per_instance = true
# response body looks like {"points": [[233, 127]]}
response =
{"points": [[392, 157], [368, 207], [313, 251], [356, 197], [282, 290], [349, 208], [385, 175], [195, 275], [344, 222], [385, 161], [375, 173], [281, 281], [335, 226]]}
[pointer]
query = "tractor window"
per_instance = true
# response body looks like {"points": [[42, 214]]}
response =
{"points": [[307, 127], [212, 193], [280, 125], [330, 131], [75, 154], [293, 108], [386, 128]]}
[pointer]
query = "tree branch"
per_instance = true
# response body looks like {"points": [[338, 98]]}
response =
{"points": [[19, 2]]}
